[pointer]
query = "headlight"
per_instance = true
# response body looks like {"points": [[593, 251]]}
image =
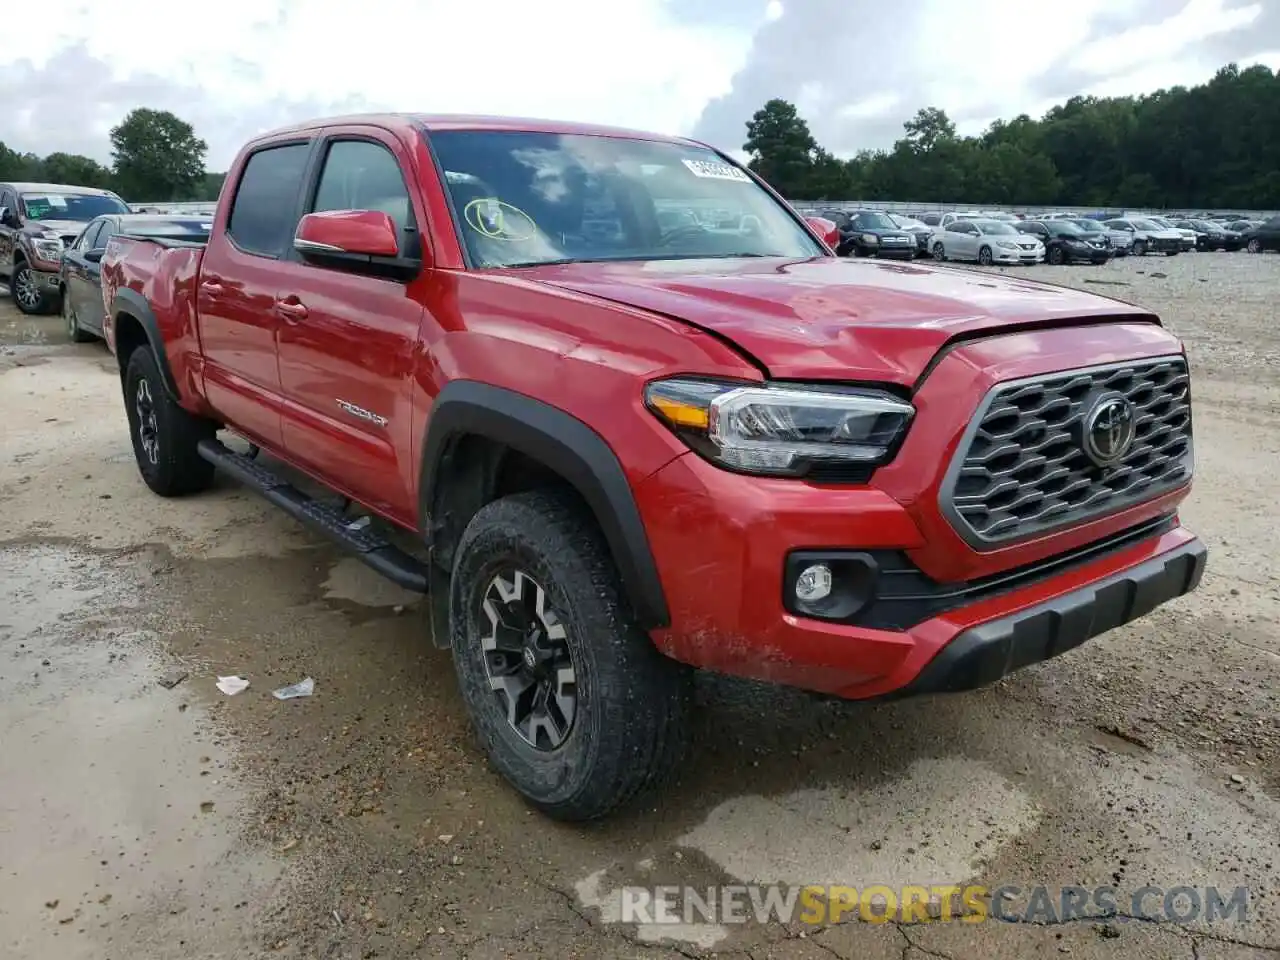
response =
{"points": [[48, 249], [780, 431], [1007, 245], [870, 238]]}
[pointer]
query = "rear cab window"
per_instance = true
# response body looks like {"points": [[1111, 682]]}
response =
{"points": [[264, 211]]}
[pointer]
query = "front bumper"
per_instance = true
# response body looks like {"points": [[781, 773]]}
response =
{"points": [[999, 255], [983, 654], [722, 543]]}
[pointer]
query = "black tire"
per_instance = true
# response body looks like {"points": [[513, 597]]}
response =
{"points": [[164, 435], [75, 332], [1172, 253], [1255, 245], [23, 279], [1139, 248], [1056, 257], [984, 256], [939, 252], [631, 703]]}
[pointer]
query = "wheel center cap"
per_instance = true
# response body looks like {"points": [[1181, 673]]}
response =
{"points": [[530, 658]]}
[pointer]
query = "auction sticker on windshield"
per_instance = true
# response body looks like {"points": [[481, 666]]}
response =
{"points": [[710, 170]]}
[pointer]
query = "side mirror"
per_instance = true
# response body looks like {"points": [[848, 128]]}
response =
{"points": [[94, 256], [826, 229], [7, 217], [364, 233]]}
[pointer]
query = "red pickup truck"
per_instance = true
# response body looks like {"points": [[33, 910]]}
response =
{"points": [[632, 415]]}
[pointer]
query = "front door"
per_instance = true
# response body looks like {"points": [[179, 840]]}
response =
{"points": [[348, 340], [236, 293]]}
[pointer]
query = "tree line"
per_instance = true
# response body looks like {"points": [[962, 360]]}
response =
{"points": [[155, 155], [1212, 145], [1216, 145]]}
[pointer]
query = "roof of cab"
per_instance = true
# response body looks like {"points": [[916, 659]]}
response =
{"points": [[407, 122], [60, 188]]}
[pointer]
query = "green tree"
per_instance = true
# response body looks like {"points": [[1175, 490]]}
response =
{"points": [[157, 156], [19, 166], [782, 149], [75, 169]]}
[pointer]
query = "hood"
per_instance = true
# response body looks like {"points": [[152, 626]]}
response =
{"points": [[1163, 234], [832, 318], [51, 228]]}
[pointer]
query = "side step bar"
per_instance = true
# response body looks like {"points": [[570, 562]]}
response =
{"points": [[375, 551]]}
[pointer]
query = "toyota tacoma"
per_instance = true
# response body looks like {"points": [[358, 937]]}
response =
{"points": [[611, 452]]}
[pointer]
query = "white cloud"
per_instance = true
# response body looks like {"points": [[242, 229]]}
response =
{"points": [[682, 66]]}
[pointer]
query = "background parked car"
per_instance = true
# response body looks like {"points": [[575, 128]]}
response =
{"points": [[80, 286], [37, 222], [1190, 240], [918, 229], [1265, 236], [1118, 241], [1242, 226], [870, 233], [985, 241], [1210, 235], [1064, 242], [1147, 236]]}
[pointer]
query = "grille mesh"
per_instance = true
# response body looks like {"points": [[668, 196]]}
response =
{"points": [[1024, 472]]}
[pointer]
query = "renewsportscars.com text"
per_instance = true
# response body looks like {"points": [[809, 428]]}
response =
{"points": [[1008, 903]]}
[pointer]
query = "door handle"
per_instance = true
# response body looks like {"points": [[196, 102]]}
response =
{"points": [[291, 309], [212, 287]]}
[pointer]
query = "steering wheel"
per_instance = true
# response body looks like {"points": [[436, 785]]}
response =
{"points": [[680, 233]]}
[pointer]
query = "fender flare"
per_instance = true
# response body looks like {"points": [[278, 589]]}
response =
{"points": [[135, 305], [569, 447]]}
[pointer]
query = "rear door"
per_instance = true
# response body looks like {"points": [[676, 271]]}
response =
{"points": [[236, 294], [348, 339]]}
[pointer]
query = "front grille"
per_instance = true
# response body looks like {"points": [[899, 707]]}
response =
{"points": [[1021, 469]]}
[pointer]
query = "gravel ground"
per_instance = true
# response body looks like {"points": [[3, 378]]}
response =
{"points": [[152, 821]]}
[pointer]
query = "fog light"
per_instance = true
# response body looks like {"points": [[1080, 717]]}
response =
{"points": [[814, 583]]}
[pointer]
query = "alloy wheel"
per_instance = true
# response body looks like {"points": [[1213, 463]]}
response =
{"points": [[25, 291], [527, 659], [69, 317], [148, 428]]}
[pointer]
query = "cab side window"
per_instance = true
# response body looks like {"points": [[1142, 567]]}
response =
{"points": [[106, 233], [361, 175], [264, 210]]}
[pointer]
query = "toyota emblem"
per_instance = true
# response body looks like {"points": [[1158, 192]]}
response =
{"points": [[1109, 428]]}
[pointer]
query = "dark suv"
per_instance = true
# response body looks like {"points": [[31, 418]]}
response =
{"points": [[38, 221], [870, 233]]}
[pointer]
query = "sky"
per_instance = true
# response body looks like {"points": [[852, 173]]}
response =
{"points": [[856, 68]]}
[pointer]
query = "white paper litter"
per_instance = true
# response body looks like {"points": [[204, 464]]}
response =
{"points": [[303, 688], [232, 685]]}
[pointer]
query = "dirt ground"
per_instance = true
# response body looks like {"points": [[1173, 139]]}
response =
{"points": [[144, 821]]}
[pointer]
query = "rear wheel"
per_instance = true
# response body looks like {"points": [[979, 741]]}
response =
{"points": [[984, 256], [939, 251], [569, 698], [1255, 245], [1139, 248], [165, 436]]}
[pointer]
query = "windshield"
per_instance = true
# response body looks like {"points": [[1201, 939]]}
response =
{"points": [[1163, 223], [1147, 225], [526, 198], [1088, 226], [1000, 215], [874, 220], [994, 227], [1067, 227], [907, 223], [69, 206]]}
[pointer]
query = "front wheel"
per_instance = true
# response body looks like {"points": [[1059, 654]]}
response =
{"points": [[1255, 245], [939, 251], [569, 697], [75, 332], [24, 285], [1056, 257], [165, 437], [984, 257], [1139, 248]]}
